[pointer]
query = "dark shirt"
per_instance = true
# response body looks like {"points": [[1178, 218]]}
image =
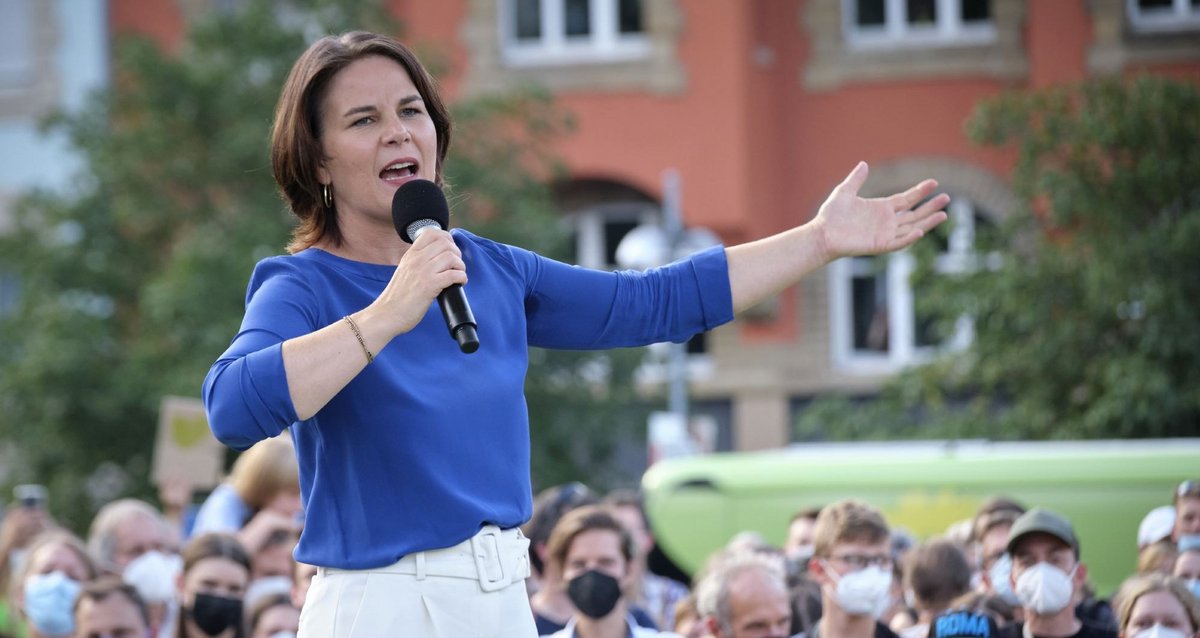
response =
{"points": [[547, 626], [1088, 630], [881, 631]]}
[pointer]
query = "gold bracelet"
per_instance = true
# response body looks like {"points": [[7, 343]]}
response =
{"points": [[361, 342]]}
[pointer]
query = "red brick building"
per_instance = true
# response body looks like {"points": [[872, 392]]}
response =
{"points": [[763, 106]]}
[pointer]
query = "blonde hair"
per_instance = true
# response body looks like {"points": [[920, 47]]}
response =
{"points": [[847, 521], [1142, 584], [1158, 556], [50, 538], [266, 470]]}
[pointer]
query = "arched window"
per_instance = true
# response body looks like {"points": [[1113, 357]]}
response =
{"points": [[600, 213]]}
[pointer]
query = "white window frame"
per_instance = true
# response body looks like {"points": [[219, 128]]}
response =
{"points": [[896, 32], [590, 247], [1180, 16], [902, 348], [604, 44], [589, 224]]}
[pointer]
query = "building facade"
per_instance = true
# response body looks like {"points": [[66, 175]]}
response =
{"points": [[762, 107]]}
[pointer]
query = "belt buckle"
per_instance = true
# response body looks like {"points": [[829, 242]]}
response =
{"points": [[485, 548]]}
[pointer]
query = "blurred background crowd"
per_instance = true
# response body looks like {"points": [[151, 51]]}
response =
{"points": [[224, 567]]}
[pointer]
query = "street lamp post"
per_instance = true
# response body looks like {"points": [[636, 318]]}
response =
{"points": [[649, 246]]}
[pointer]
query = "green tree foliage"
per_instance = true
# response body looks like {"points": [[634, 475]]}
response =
{"points": [[1085, 323], [134, 283]]}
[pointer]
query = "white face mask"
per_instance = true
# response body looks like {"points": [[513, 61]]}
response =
{"points": [[1160, 631], [864, 592], [1045, 589], [153, 575]]}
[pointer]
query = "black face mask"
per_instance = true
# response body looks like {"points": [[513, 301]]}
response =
{"points": [[214, 614], [594, 593]]}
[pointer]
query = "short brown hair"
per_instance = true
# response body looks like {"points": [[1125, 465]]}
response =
{"points": [[847, 521], [580, 520], [296, 135], [809, 513], [937, 573], [100, 589], [215, 545]]}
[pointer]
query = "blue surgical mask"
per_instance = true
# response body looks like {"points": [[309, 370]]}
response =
{"points": [[49, 599], [1188, 542], [999, 574], [1194, 585]]}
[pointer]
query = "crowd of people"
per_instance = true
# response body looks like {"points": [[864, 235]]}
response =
{"points": [[419, 514], [226, 570]]}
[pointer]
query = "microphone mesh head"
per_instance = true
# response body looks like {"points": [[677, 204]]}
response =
{"points": [[418, 200]]}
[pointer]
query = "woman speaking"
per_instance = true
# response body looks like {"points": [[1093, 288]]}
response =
{"points": [[414, 457]]}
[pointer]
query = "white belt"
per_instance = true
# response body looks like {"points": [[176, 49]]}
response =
{"points": [[494, 557]]}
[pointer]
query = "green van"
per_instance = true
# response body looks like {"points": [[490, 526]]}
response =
{"points": [[697, 504]]}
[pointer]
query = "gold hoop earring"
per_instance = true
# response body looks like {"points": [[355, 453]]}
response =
{"points": [[325, 196]]}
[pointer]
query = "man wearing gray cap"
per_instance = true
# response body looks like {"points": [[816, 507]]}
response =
{"points": [[1046, 576]]}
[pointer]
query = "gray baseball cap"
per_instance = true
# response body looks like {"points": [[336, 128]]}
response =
{"points": [[1038, 520]]}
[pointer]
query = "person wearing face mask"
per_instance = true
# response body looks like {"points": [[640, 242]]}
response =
{"points": [[1186, 532], [593, 551], [1187, 570], [216, 571], [44, 592], [991, 539], [1158, 606], [798, 546], [744, 595], [1048, 578], [131, 539], [654, 594], [852, 563], [21, 522], [110, 608]]}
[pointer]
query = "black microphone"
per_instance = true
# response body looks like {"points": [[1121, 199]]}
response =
{"points": [[417, 206]]}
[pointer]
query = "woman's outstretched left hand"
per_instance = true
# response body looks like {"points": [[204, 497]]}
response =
{"points": [[852, 225]]}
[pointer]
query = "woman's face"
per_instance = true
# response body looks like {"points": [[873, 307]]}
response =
{"points": [[1158, 608], [276, 619], [1187, 517], [217, 576], [58, 558], [376, 135], [1187, 566]]}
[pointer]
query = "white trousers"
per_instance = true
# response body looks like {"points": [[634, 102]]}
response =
{"points": [[475, 589]]}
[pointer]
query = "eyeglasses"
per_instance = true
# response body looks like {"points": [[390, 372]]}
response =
{"points": [[862, 561], [1188, 488]]}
